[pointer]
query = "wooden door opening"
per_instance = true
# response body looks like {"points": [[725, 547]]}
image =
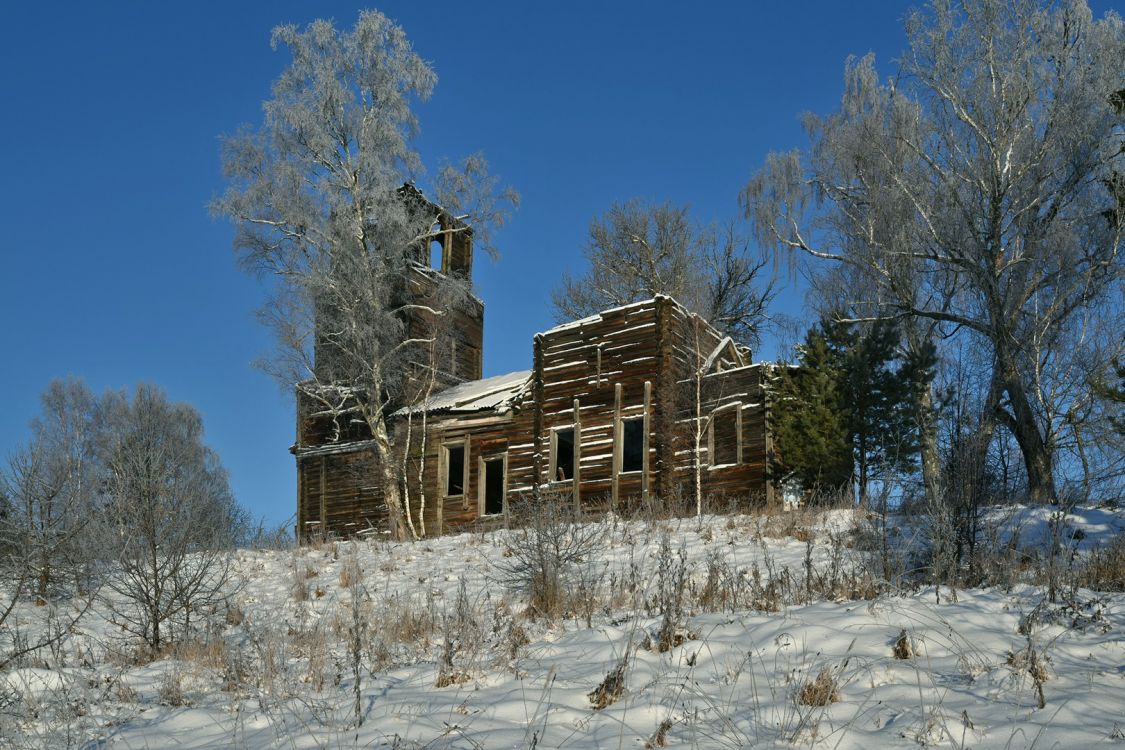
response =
{"points": [[494, 485]]}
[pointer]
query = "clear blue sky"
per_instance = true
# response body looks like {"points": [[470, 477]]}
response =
{"points": [[113, 271]]}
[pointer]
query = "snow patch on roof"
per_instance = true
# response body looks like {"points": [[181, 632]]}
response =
{"points": [[596, 317], [495, 393]]}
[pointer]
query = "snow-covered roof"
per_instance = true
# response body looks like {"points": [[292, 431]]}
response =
{"points": [[497, 393], [596, 317]]}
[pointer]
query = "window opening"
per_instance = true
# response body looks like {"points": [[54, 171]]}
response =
{"points": [[724, 437], [494, 486], [632, 444], [437, 249], [562, 455], [454, 470]]}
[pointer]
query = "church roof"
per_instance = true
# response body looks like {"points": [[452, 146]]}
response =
{"points": [[497, 393]]}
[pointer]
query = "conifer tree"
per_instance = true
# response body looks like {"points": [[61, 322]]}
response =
{"points": [[876, 398], [849, 411], [809, 422]]}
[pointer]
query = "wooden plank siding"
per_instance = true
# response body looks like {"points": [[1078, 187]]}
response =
{"points": [[340, 493]]}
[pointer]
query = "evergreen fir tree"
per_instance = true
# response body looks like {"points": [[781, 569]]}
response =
{"points": [[809, 424], [849, 411], [877, 398]]}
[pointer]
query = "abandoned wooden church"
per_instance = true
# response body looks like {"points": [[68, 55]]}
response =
{"points": [[641, 402]]}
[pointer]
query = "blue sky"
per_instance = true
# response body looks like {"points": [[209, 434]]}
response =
{"points": [[112, 269]]}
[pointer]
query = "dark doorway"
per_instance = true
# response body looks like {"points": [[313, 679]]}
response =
{"points": [[564, 455], [454, 469], [632, 444], [494, 486]]}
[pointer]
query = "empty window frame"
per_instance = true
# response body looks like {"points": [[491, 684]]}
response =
{"points": [[562, 454], [634, 442], [453, 455], [437, 252], [493, 484], [724, 436]]}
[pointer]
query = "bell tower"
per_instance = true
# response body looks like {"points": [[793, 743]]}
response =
{"points": [[444, 314]]}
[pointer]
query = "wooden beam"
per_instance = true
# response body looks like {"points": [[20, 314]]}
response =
{"points": [[577, 458], [738, 434], [465, 473], [446, 249], [614, 481], [763, 391], [537, 416], [300, 501], [644, 444], [323, 502]]}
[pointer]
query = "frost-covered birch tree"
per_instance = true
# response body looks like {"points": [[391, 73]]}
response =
{"points": [[975, 190], [637, 250], [317, 196]]}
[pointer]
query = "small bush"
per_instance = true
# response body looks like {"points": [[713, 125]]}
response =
{"points": [[171, 691], [671, 573], [546, 545]]}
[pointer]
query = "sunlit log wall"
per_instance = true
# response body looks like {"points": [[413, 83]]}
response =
{"points": [[640, 362]]}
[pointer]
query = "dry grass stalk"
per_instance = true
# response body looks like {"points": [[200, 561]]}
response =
{"points": [[1104, 569], [350, 572]]}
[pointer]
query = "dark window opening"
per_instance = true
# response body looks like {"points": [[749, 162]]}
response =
{"points": [[353, 428], [564, 454], [724, 437], [493, 486], [632, 444], [454, 469]]}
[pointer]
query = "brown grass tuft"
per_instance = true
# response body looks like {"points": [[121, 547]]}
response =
{"points": [[819, 692], [660, 736], [903, 648], [611, 688]]}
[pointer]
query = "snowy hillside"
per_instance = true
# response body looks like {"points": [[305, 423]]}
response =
{"points": [[724, 632]]}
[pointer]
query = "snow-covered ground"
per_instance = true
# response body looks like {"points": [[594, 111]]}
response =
{"points": [[768, 605]]}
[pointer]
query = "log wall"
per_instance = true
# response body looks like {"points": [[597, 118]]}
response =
{"points": [[339, 492]]}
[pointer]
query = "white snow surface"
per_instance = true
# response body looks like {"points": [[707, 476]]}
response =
{"points": [[281, 676]]}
